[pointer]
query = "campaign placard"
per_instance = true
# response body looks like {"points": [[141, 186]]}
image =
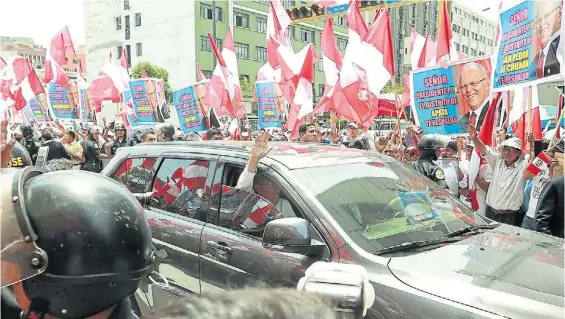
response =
{"points": [[64, 102], [144, 100], [267, 112], [189, 111], [530, 47], [446, 100]]}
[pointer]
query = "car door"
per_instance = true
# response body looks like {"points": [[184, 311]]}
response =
{"points": [[176, 214], [233, 257]]}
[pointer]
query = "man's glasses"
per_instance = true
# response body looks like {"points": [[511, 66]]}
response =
{"points": [[546, 16], [472, 85]]}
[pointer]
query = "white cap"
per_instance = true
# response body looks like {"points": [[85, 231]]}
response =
{"points": [[352, 124], [513, 142]]}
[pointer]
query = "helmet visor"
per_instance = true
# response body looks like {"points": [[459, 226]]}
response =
{"points": [[19, 259]]}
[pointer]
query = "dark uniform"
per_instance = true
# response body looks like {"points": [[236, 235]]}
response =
{"points": [[425, 165], [91, 151], [20, 157], [117, 143]]}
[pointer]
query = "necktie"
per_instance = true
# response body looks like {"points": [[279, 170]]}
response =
{"points": [[473, 119], [539, 67]]}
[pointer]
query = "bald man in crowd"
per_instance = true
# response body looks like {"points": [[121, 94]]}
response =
{"points": [[474, 85]]}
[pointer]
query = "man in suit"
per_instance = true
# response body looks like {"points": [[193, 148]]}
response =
{"points": [[548, 33], [474, 85]]}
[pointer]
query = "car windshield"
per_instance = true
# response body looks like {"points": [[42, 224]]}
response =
{"points": [[386, 204]]}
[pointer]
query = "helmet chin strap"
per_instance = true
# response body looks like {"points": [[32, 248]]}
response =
{"points": [[37, 309]]}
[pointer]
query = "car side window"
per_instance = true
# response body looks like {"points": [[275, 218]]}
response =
{"points": [[136, 173], [179, 187]]}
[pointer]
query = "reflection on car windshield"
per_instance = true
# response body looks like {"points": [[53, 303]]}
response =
{"points": [[385, 204]]}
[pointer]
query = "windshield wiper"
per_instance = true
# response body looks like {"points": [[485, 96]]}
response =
{"points": [[470, 229], [414, 244]]}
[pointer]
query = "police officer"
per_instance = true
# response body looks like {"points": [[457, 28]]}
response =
{"points": [[136, 138], [20, 157], [30, 142], [425, 164], [92, 157], [120, 140], [67, 255], [166, 133]]}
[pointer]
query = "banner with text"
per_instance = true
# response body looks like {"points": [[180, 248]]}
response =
{"points": [[446, 100], [267, 112], [87, 109], [144, 100], [128, 104], [40, 113], [530, 47], [189, 110], [63, 101]]}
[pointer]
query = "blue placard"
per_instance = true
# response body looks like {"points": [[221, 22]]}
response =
{"points": [[528, 46], [444, 99], [190, 114], [144, 100], [338, 9], [267, 111], [60, 99]]}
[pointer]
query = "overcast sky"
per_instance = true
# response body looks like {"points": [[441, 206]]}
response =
{"points": [[41, 19]]}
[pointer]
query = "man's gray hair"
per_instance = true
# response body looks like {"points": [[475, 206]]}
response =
{"points": [[472, 66], [60, 164], [250, 303]]}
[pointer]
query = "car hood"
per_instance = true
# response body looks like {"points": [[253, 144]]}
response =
{"points": [[508, 270]]}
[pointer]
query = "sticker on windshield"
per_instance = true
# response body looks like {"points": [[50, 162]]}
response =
{"points": [[417, 207]]}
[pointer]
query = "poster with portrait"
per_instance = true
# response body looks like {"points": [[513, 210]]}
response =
{"points": [[190, 112], [132, 121], [446, 100], [39, 114], [268, 114], [162, 106], [63, 101], [530, 48], [86, 106], [144, 100]]}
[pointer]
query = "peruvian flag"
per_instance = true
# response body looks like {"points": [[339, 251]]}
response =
{"points": [[376, 54], [60, 44], [29, 84], [201, 76], [224, 89], [123, 69], [446, 51], [332, 65], [422, 50], [108, 85], [486, 136], [6, 82], [54, 73], [193, 176], [539, 163], [261, 212], [519, 116]]}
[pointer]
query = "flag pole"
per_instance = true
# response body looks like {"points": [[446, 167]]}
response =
{"points": [[530, 117]]}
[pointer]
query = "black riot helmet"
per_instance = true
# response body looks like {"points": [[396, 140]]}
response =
{"points": [[168, 130], [78, 242], [428, 144], [119, 126], [27, 131]]}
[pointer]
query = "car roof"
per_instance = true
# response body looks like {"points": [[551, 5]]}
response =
{"points": [[293, 155]]}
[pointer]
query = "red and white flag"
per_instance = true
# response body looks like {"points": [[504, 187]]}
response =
{"points": [[446, 51], [201, 76], [123, 69], [193, 177], [107, 86], [519, 117], [29, 85], [54, 73], [541, 162], [60, 45]]}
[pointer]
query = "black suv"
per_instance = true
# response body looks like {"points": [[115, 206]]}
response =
{"points": [[427, 254]]}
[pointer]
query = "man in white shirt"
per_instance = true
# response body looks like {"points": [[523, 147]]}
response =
{"points": [[548, 33]]}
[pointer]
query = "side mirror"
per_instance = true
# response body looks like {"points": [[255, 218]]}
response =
{"points": [[144, 198], [291, 235]]}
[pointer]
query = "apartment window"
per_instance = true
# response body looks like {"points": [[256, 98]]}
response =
{"points": [[126, 4], [241, 20], [474, 52], [321, 64], [206, 12], [413, 10], [313, 89], [321, 88], [138, 49], [291, 34], [138, 19], [261, 24], [341, 21], [205, 44], [341, 44], [307, 36], [127, 28], [458, 47], [118, 22], [242, 50], [261, 53], [128, 54], [490, 42], [119, 52], [288, 3], [481, 53]]}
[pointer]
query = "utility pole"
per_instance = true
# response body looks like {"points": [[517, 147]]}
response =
{"points": [[214, 29]]}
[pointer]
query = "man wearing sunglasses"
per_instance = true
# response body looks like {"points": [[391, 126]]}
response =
{"points": [[474, 85]]}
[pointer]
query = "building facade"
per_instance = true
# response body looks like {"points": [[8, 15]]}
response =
{"points": [[174, 34]]}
